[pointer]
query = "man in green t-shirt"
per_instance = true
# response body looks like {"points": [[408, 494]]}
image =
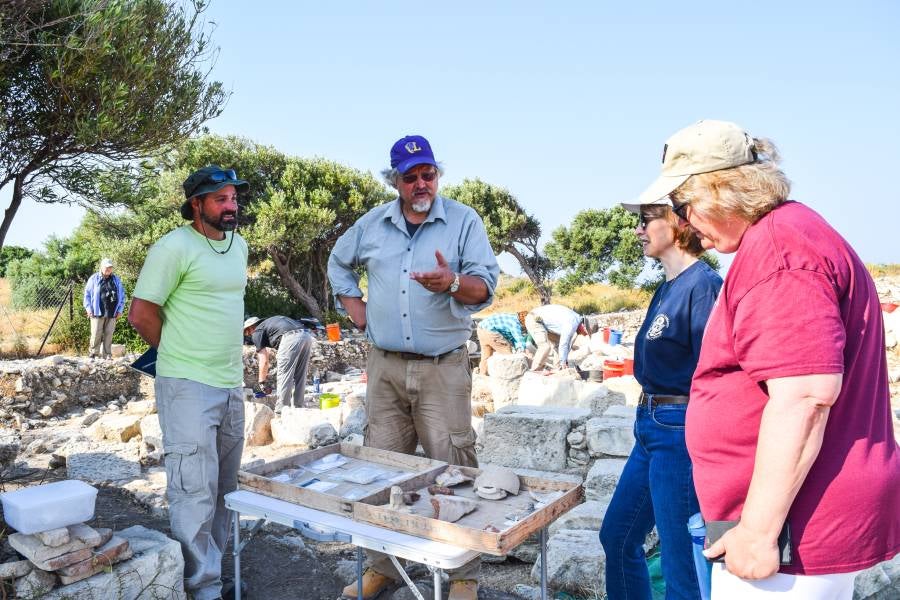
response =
{"points": [[189, 303]]}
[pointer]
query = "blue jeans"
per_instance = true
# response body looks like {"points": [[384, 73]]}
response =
{"points": [[656, 488]]}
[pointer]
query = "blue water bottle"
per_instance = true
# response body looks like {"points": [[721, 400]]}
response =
{"points": [[697, 528], [317, 383]]}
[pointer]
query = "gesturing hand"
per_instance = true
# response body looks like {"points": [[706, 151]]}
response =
{"points": [[439, 279]]}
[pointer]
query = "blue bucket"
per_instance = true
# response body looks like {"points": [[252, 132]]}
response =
{"points": [[615, 337]]}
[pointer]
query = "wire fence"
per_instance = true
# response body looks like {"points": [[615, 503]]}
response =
{"points": [[29, 310]]}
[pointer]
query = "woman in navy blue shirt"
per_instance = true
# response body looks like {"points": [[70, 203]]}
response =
{"points": [[656, 486]]}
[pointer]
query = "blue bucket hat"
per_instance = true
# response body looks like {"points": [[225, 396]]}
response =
{"points": [[411, 151]]}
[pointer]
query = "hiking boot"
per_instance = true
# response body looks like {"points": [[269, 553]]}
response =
{"points": [[464, 589], [372, 584]]}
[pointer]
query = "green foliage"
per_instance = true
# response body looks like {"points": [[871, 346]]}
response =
{"points": [[266, 297], [40, 280], [599, 246], [11, 253], [72, 334], [516, 286], [90, 83], [508, 227]]}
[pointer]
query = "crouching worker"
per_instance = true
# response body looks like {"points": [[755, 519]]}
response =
{"points": [[502, 333], [294, 348], [189, 303]]}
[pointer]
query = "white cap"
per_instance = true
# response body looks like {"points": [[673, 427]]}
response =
{"points": [[106, 262]]}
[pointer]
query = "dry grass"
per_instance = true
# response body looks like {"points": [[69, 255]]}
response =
{"points": [[889, 270], [516, 293], [21, 331]]}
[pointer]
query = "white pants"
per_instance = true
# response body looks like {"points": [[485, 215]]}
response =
{"points": [[726, 586]]}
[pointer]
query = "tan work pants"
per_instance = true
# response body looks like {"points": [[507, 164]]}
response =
{"points": [[101, 333], [427, 402], [490, 342], [543, 339]]}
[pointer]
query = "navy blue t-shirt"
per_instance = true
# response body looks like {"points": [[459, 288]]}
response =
{"points": [[667, 346]]}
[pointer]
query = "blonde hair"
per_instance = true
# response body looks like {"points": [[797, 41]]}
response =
{"points": [[685, 237], [747, 192]]}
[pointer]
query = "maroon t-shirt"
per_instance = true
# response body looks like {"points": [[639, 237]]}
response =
{"points": [[797, 300]]}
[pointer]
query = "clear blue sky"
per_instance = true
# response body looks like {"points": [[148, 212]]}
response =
{"points": [[567, 104]]}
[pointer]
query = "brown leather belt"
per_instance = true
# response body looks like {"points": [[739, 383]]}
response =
{"points": [[414, 356], [657, 399]]}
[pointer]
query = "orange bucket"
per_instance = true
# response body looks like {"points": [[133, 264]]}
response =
{"points": [[333, 331], [888, 307], [613, 368], [628, 366]]}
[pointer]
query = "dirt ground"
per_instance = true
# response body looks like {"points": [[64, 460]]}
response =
{"points": [[273, 567]]}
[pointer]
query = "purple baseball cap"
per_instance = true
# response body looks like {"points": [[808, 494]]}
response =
{"points": [[409, 151]]}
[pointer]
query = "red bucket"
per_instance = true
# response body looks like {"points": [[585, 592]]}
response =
{"points": [[629, 366], [613, 368], [888, 307], [606, 335]]}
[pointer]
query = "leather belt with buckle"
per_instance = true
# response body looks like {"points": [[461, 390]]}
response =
{"points": [[414, 356], [658, 399]]}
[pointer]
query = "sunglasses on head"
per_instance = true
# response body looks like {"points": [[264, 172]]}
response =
{"points": [[427, 176], [680, 210], [220, 176]]}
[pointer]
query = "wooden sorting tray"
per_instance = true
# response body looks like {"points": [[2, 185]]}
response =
{"points": [[468, 532]]}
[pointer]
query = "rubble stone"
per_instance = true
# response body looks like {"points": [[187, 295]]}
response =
{"points": [[588, 515], [10, 443], [257, 424], [531, 437], [155, 571], [15, 568], [35, 584], [293, 426], [31, 547], [115, 550], [564, 389], [602, 479], [54, 537], [140, 407], [881, 582], [354, 422], [322, 435], [610, 436], [116, 427], [575, 562]]}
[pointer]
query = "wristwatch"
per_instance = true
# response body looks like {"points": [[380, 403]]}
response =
{"points": [[454, 287]]}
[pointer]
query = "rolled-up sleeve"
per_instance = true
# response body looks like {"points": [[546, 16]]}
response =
{"points": [[476, 259], [343, 259]]}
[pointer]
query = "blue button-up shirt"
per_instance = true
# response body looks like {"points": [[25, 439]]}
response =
{"points": [[401, 315]]}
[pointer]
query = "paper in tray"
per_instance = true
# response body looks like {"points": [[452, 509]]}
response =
{"points": [[327, 462], [362, 475]]}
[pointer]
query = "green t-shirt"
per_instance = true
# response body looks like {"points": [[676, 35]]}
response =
{"points": [[202, 298]]}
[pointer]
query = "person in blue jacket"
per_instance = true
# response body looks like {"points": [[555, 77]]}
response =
{"points": [[104, 301], [656, 487]]}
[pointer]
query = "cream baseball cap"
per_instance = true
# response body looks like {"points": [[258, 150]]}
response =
{"points": [[702, 147]]}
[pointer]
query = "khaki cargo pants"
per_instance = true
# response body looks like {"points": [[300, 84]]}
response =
{"points": [[490, 342], [427, 402], [543, 339], [203, 438], [102, 329]]}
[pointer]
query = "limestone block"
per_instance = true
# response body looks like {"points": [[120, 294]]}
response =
{"points": [[115, 550], [97, 462], [257, 424], [151, 431], [602, 479], [564, 389], [610, 436], [356, 439], [140, 407], [10, 443], [575, 562], [155, 571], [35, 585], [529, 550], [576, 440], [354, 422], [90, 418], [530, 437], [481, 389], [293, 427], [620, 411], [81, 537], [116, 427], [322, 434], [881, 582], [15, 568], [54, 537], [628, 386], [118, 350], [504, 392], [588, 515], [507, 366]]}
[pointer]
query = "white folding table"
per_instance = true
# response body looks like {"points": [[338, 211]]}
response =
{"points": [[326, 527]]}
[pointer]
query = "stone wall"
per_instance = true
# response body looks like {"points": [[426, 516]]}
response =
{"points": [[57, 385], [349, 353]]}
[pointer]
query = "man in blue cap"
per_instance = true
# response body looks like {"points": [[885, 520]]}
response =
{"points": [[430, 267], [189, 303]]}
